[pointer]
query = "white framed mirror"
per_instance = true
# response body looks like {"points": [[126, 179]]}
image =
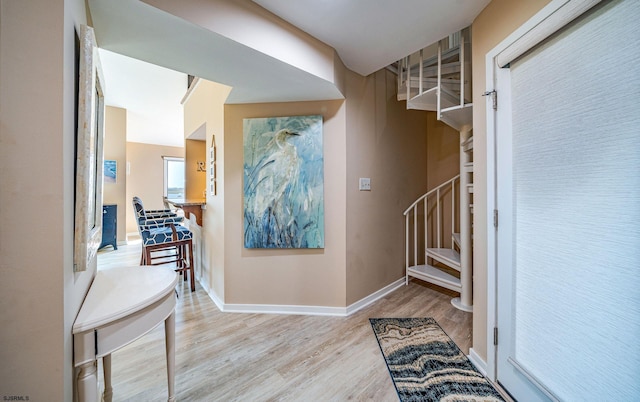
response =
{"points": [[89, 153]]}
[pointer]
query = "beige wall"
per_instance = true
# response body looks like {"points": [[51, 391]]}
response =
{"points": [[115, 148], [194, 180], [443, 152], [43, 294], [499, 19], [312, 277], [276, 38], [146, 176], [204, 110], [388, 144]]}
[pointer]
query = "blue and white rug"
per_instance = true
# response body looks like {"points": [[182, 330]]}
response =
{"points": [[426, 365]]}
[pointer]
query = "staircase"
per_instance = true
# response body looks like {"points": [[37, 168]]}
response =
{"points": [[428, 256], [438, 78]]}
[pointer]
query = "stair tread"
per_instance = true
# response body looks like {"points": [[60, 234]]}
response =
{"points": [[415, 82], [446, 256], [446, 55], [425, 101], [456, 238], [457, 116], [445, 69], [449, 99], [436, 276]]}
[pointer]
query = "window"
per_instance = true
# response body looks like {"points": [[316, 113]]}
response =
{"points": [[173, 177]]}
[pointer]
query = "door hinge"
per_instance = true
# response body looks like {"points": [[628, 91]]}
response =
{"points": [[495, 336], [494, 98], [495, 218]]}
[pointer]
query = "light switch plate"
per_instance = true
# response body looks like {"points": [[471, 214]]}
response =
{"points": [[365, 184]]}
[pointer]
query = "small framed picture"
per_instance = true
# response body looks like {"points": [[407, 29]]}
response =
{"points": [[110, 171]]}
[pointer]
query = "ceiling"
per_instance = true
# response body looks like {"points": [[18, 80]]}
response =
{"points": [[150, 93], [367, 35], [371, 34]]}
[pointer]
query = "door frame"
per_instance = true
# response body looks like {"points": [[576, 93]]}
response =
{"points": [[550, 19]]}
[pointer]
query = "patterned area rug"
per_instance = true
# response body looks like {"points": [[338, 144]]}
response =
{"points": [[426, 365]]}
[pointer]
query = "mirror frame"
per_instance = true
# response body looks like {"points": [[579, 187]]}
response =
{"points": [[89, 154]]}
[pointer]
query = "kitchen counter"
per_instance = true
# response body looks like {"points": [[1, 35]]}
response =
{"points": [[190, 206]]}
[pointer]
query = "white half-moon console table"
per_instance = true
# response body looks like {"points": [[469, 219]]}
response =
{"points": [[122, 305]]}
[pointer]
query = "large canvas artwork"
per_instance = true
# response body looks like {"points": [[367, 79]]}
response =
{"points": [[283, 182]]}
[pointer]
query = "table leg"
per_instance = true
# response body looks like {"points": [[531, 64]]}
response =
{"points": [[107, 395], [170, 342], [87, 382]]}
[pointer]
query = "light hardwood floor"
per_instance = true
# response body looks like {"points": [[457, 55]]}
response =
{"points": [[265, 357]]}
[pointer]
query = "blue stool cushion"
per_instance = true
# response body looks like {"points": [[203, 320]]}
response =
{"points": [[164, 234]]}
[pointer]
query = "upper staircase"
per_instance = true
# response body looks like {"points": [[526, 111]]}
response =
{"points": [[438, 78]]}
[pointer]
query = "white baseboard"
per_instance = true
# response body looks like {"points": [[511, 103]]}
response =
{"points": [[303, 310], [284, 309], [364, 302], [213, 296], [477, 361], [133, 238]]}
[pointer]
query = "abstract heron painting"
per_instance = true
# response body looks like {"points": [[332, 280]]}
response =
{"points": [[283, 182]]}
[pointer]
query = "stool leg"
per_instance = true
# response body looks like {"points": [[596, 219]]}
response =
{"points": [[147, 256], [191, 270], [180, 261]]}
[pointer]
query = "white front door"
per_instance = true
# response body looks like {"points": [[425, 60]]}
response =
{"points": [[568, 197], [518, 384]]}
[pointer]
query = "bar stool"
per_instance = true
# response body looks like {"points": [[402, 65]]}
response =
{"points": [[164, 240]]}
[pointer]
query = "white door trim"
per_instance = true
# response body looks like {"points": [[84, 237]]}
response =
{"points": [[550, 19]]}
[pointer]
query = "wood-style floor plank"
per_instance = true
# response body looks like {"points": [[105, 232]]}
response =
{"points": [[271, 357]]}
